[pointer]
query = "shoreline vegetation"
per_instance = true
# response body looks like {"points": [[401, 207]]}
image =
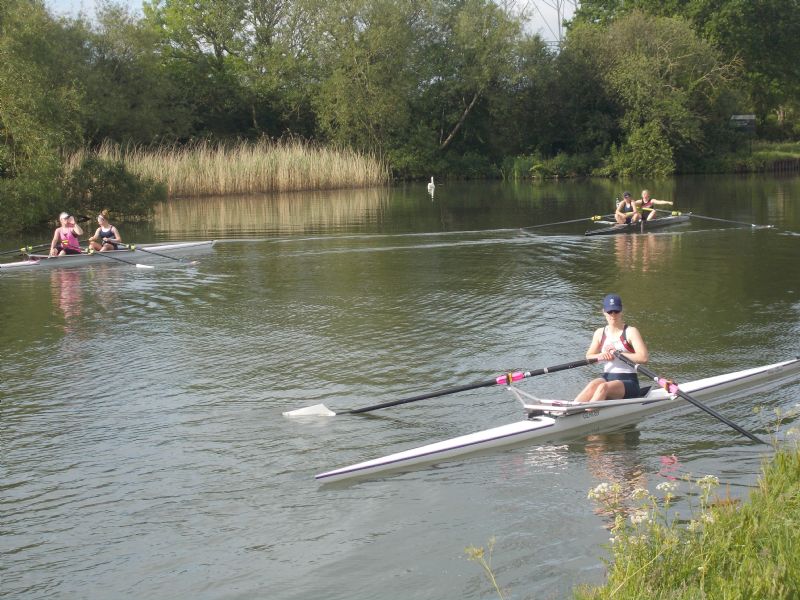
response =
{"points": [[217, 169], [761, 156], [723, 549], [642, 89]]}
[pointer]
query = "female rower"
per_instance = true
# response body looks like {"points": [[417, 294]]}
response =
{"points": [[65, 237], [619, 380], [107, 236], [645, 205], [625, 209]]}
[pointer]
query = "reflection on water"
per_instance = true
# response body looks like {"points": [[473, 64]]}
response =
{"points": [[612, 459], [65, 285], [272, 213], [645, 252]]}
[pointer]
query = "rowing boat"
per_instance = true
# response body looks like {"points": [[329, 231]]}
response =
{"points": [[640, 226], [548, 420], [143, 253]]}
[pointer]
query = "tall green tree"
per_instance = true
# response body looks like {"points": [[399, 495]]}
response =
{"points": [[201, 42], [763, 34], [129, 96], [39, 110], [470, 53], [366, 50]]}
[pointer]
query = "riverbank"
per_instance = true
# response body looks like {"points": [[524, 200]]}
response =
{"points": [[208, 169], [758, 157], [722, 550]]}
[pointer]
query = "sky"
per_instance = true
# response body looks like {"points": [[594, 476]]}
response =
{"points": [[544, 19]]}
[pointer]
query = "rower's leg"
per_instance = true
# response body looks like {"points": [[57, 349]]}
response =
{"points": [[587, 394], [610, 390]]}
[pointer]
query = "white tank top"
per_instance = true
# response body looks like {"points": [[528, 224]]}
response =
{"points": [[616, 365]]}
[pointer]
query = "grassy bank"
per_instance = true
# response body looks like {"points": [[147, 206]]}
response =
{"points": [[762, 157], [207, 169], [721, 550], [765, 157]]}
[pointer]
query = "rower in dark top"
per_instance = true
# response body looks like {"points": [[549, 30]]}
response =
{"points": [[625, 209], [107, 236], [619, 380]]}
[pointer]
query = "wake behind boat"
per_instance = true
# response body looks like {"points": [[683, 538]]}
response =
{"points": [[548, 420], [140, 254], [641, 226]]}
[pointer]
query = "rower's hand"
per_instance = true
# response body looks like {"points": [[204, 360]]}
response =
{"points": [[605, 356]]}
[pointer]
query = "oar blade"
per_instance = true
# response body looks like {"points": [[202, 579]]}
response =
{"points": [[318, 410], [141, 266]]}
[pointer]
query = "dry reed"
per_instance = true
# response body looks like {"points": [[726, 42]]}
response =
{"points": [[208, 169]]}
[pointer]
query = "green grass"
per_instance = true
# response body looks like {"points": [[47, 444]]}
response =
{"points": [[722, 550], [772, 151]]}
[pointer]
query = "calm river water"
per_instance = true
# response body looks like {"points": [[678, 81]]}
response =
{"points": [[143, 453]]}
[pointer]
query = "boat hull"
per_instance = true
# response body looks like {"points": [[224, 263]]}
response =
{"points": [[557, 425], [143, 254], [637, 227]]}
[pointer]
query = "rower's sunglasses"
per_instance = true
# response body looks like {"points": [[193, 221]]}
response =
{"points": [[613, 312]]}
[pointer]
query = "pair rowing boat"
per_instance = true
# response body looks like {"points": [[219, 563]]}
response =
{"points": [[640, 226], [135, 255], [548, 420]]}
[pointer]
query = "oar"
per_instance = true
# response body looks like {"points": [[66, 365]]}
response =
{"points": [[127, 262], [24, 249], [593, 218], [696, 216], [135, 247], [507, 379], [673, 388]]}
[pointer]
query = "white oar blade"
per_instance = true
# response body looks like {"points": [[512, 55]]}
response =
{"points": [[141, 266], [318, 410]]}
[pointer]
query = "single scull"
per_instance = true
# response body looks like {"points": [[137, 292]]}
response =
{"points": [[554, 419], [144, 253]]}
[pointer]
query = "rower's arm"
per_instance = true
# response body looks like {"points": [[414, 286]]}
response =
{"points": [[594, 350], [640, 354]]}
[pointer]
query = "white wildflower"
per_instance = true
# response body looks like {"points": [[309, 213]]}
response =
{"points": [[599, 491], [639, 493], [707, 517], [667, 486], [708, 482]]}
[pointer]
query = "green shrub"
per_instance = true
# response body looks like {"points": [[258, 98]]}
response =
{"points": [[98, 184], [646, 152], [563, 165]]}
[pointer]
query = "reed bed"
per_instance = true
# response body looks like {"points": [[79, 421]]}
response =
{"points": [[213, 169]]}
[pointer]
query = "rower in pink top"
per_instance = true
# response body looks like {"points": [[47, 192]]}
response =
{"points": [[65, 237]]}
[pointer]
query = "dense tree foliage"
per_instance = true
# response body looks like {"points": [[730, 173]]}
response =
{"points": [[447, 87], [763, 34]]}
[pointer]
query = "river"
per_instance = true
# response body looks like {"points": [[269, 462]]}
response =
{"points": [[144, 454]]}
